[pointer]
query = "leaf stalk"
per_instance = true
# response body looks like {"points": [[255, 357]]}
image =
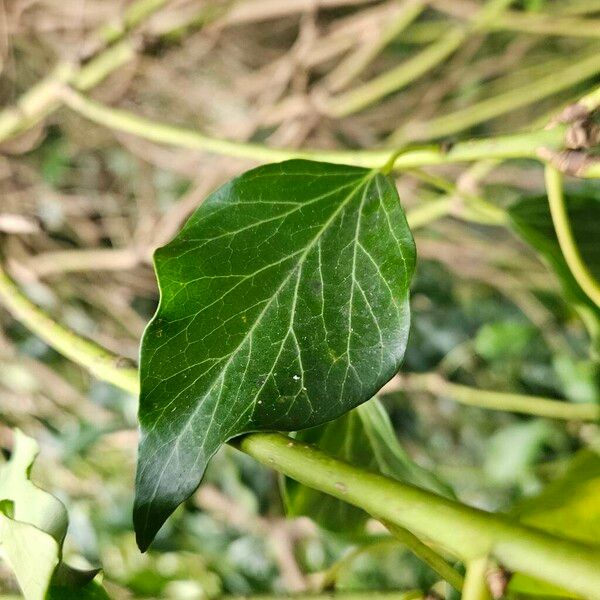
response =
{"points": [[566, 239]]}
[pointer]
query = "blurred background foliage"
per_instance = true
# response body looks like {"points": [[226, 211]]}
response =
{"points": [[82, 208]]}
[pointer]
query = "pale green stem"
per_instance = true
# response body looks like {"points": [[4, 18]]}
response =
{"points": [[524, 145], [132, 17], [358, 61], [431, 211], [427, 555], [408, 595], [43, 98], [397, 78], [413, 68], [503, 401], [476, 587], [591, 100], [566, 240], [558, 23], [541, 25], [469, 207], [463, 531], [576, 7], [533, 23], [103, 65], [436, 181], [580, 69], [592, 171], [34, 104], [100, 363]]}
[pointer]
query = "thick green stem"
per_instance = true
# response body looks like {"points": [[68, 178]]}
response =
{"points": [[503, 401], [566, 240], [463, 531]]}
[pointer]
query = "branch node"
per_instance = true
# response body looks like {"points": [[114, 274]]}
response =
{"points": [[498, 580], [570, 162]]}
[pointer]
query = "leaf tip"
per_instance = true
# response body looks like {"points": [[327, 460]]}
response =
{"points": [[145, 530]]}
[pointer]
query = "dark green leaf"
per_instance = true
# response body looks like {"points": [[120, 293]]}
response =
{"points": [[363, 437], [532, 220], [92, 590], [284, 304]]}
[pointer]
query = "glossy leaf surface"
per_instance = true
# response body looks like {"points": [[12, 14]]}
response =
{"points": [[365, 438], [284, 304]]}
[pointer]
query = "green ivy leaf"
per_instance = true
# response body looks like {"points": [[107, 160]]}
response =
{"points": [[503, 340], [363, 437], [532, 221], [568, 507], [30, 504], [33, 525], [579, 379], [284, 304]]}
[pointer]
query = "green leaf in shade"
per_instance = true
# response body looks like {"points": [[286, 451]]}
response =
{"points": [[503, 340], [33, 524], [568, 507], [532, 221], [579, 379], [363, 437], [284, 304], [74, 584]]}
